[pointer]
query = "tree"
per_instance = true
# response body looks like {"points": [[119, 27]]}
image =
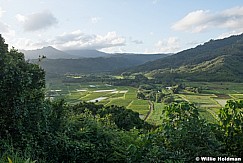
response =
{"points": [[186, 136], [175, 89], [126, 74], [140, 78], [168, 99], [159, 97], [21, 94], [140, 95], [231, 123]]}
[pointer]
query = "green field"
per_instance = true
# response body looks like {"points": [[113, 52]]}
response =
{"points": [[155, 117], [100, 93], [213, 96]]}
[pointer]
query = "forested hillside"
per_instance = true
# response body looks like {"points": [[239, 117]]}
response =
{"points": [[216, 60], [96, 65]]}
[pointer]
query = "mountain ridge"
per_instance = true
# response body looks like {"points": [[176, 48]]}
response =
{"points": [[48, 51], [53, 53], [207, 51], [224, 55]]}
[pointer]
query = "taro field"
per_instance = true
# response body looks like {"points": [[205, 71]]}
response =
{"points": [[99, 93], [213, 96]]}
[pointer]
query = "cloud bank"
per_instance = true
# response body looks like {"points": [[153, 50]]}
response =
{"points": [[1, 12], [79, 40], [172, 44], [6, 30], [37, 21], [203, 20], [137, 41]]}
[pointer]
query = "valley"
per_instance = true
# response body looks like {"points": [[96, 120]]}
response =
{"points": [[212, 96], [121, 81]]}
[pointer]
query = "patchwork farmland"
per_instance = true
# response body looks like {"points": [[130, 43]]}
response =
{"points": [[99, 93], [213, 97]]}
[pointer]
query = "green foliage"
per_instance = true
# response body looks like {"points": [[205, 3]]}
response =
{"points": [[231, 122], [123, 118], [89, 139], [140, 95], [193, 89], [175, 89], [159, 97], [9, 154], [150, 92], [186, 135], [168, 99], [19, 160], [22, 94]]}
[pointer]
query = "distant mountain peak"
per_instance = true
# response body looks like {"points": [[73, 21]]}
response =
{"points": [[49, 47], [49, 51]]}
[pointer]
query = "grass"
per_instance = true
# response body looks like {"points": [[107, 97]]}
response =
{"points": [[140, 106], [141, 109], [117, 95], [93, 95], [208, 115], [221, 102], [237, 96], [139, 102], [201, 100], [218, 87], [119, 102], [155, 117]]}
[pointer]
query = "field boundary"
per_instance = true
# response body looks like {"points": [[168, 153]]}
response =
{"points": [[151, 108]]}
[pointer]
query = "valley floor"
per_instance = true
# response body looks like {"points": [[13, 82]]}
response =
{"points": [[212, 97]]}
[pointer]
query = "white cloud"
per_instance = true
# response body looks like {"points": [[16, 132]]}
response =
{"points": [[28, 44], [201, 20], [75, 40], [1, 12], [137, 41], [21, 18], [228, 34], [4, 27], [170, 45], [6, 30], [151, 33], [79, 40], [37, 21], [113, 50], [155, 1], [95, 20]]}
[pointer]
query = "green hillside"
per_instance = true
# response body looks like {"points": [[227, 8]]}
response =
{"points": [[96, 65], [222, 68], [219, 60]]}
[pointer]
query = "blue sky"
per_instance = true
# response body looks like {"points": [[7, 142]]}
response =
{"points": [[130, 26]]}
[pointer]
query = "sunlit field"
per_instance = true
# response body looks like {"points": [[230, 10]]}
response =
{"points": [[99, 93], [213, 97]]}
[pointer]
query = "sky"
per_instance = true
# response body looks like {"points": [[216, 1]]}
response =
{"points": [[118, 26]]}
